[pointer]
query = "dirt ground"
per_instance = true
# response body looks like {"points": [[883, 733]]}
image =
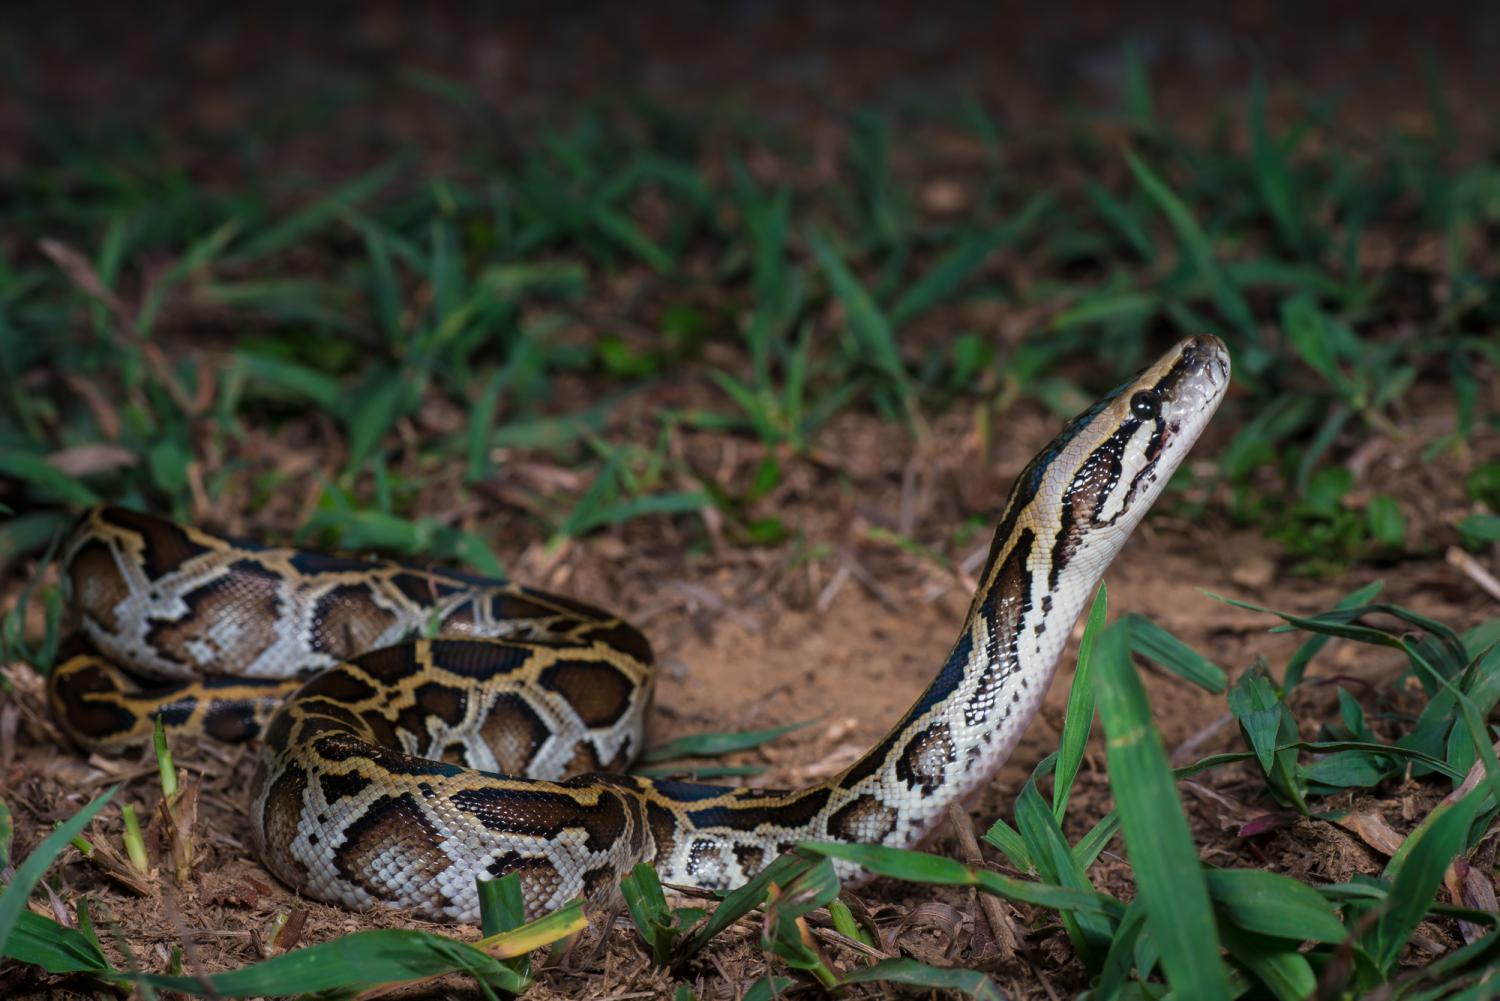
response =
{"points": [[749, 638], [834, 626]]}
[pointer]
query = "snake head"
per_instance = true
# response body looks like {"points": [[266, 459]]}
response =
{"points": [[1102, 473]]}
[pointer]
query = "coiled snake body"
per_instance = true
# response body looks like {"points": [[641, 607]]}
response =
{"points": [[394, 772]]}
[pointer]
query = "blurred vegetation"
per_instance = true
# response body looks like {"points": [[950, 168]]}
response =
{"points": [[160, 313], [151, 313]]}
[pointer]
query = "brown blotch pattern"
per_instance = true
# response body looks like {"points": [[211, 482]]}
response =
{"points": [[797, 810], [546, 814], [925, 759], [390, 664], [96, 584], [663, 825], [346, 621], [337, 785], [750, 857], [283, 807], [585, 759], [446, 702], [864, 820], [513, 732], [87, 719], [232, 722], [432, 701], [231, 620], [599, 693], [339, 684], [390, 846], [539, 878]]}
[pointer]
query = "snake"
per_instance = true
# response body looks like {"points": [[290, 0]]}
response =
{"points": [[421, 729]]}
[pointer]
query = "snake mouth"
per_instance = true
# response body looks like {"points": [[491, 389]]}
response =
{"points": [[1191, 388], [1198, 377]]}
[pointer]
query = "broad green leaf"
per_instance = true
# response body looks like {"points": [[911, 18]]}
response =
{"points": [[43, 942], [1275, 962], [1269, 903]]}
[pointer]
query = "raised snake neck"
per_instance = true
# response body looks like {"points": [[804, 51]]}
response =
{"points": [[402, 770]]}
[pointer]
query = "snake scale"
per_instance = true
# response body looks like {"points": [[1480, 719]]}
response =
{"points": [[394, 771]]}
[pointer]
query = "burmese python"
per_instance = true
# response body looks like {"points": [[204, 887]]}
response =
{"points": [[391, 776]]}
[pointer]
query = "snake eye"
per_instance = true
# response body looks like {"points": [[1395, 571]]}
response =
{"points": [[1145, 406]]}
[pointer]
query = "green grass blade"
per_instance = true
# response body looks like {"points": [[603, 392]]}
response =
{"points": [[1297, 665], [1154, 643], [29, 872], [908, 971], [291, 380], [305, 222], [382, 398], [677, 502], [1009, 841], [1417, 872], [1196, 247], [1139, 107], [1080, 714], [43, 942], [709, 745], [949, 272], [1167, 873], [501, 905], [769, 988], [1091, 844], [871, 328], [1273, 174], [1121, 956], [1049, 848], [647, 905], [50, 482], [377, 958], [921, 867], [739, 902]]}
